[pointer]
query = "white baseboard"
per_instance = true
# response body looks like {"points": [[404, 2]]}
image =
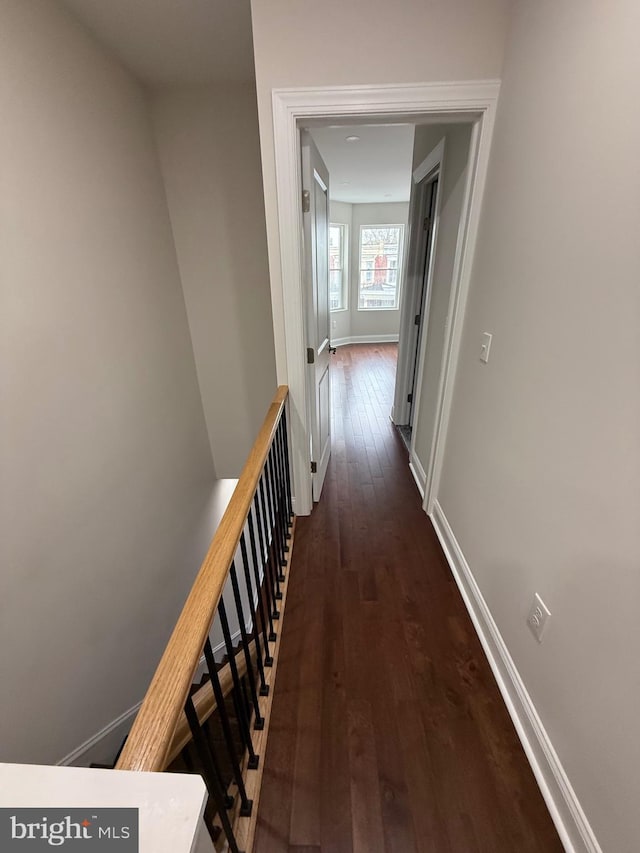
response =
{"points": [[365, 339], [102, 747], [418, 473], [567, 814]]}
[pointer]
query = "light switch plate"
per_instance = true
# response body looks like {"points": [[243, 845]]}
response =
{"points": [[538, 617], [486, 346]]}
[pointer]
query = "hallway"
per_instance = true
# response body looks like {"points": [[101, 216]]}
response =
{"points": [[388, 732]]}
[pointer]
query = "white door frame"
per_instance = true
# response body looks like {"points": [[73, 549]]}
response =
{"points": [[291, 106], [431, 166]]}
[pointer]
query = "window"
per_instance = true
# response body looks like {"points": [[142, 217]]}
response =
{"points": [[380, 260], [337, 267]]}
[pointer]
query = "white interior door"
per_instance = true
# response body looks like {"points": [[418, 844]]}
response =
{"points": [[315, 206]]}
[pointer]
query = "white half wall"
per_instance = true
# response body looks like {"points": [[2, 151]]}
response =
{"points": [[170, 805], [210, 154], [106, 466], [541, 477]]}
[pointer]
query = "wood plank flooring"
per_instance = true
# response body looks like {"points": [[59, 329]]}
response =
{"points": [[388, 733]]}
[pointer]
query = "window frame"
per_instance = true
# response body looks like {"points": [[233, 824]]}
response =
{"points": [[398, 269], [344, 231]]}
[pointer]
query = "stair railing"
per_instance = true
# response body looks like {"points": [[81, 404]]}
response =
{"points": [[247, 561]]}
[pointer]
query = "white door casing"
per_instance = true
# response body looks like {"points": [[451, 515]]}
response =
{"points": [[432, 166], [315, 219], [443, 102]]}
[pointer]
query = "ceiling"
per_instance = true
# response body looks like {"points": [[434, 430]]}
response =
{"points": [[174, 41], [376, 168]]}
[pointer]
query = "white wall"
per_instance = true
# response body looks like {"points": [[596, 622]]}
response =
{"points": [[541, 480], [105, 460], [210, 154], [451, 194], [423, 42], [353, 323]]}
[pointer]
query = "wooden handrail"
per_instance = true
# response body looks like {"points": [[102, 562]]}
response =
{"points": [[151, 736]]}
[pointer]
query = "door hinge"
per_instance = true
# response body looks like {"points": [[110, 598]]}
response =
{"points": [[427, 222], [314, 467], [306, 201], [417, 320], [409, 398], [311, 355]]}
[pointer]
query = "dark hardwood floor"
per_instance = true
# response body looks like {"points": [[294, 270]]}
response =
{"points": [[388, 732]]}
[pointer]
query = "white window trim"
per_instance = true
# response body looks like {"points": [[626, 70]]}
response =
{"points": [[399, 268], [345, 266]]}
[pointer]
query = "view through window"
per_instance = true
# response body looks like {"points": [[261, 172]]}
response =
{"points": [[380, 257], [337, 266]]}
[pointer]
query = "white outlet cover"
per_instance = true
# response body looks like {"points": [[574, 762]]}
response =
{"points": [[485, 348], [538, 618]]}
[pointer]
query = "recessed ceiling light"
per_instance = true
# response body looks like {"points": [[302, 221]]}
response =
{"points": [[387, 195], [344, 183], [352, 138]]}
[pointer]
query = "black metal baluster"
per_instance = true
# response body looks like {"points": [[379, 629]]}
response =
{"points": [[285, 476], [246, 804], [257, 566], [275, 538], [237, 699], [190, 764], [277, 491], [261, 520], [212, 776], [253, 608], [188, 760], [283, 486], [245, 697], [280, 496], [275, 531], [203, 754], [259, 719], [285, 435], [268, 550]]}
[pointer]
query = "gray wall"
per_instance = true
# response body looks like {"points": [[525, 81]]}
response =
{"points": [[541, 480], [210, 154], [106, 467], [439, 40]]}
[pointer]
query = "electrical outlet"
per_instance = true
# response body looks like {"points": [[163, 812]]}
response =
{"points": [[538, 618], [334, 323], [485, 349]]}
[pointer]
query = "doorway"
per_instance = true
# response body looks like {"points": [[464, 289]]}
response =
{"points": [[476, 103], [427, 216]]}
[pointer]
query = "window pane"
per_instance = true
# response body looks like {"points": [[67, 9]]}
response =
{"points": [[380, 248], [335, 247], [335, 289], [337, 279]]}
